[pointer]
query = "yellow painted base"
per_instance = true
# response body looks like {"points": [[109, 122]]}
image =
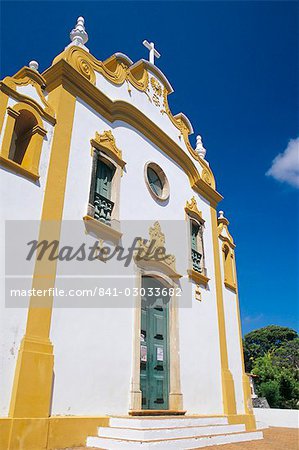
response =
{"points": [[48, 434], [247, 419]]}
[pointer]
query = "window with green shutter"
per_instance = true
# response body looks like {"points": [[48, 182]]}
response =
{"points": [[102, 193], [197, 246]]}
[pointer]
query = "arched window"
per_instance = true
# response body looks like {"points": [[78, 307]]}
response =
{"points": [[22, 135], [22, 141], [229, 278]]}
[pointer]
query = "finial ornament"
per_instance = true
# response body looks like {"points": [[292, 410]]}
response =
{"points": [[33, 65], [201, 151], [221, 215], [78, 35], [152, 51]]}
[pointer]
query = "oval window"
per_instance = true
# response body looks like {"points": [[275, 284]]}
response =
{"points": [[156, 181]]}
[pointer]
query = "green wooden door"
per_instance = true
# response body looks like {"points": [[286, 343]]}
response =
{"points": [[103, 179], [154, 353]]}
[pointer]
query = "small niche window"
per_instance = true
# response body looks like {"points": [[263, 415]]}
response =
{"points": [[228, 256], [102, 203], [156, 181], [197, 250], [23, 140], [22, 136]]}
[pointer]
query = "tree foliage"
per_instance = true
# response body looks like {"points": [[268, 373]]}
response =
{"points": [[259, 342], [272, 353]]}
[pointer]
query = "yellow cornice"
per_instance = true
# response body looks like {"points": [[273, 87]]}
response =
{"points": [[224, 233], [197, 277], [114, 68], [106, 142], [230, 285], [63, 73], [10, 92], [24, 77], [182, 123]]}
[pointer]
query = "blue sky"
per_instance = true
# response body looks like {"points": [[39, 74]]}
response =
{"points": [[234, 69]]}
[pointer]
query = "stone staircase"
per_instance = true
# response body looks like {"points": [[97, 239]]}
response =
{"points": [[146, 433]]}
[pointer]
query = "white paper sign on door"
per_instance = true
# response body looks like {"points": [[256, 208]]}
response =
{"points": [[160, 354], [143, 353]]}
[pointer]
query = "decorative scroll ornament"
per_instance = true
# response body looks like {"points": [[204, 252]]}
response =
{"points": [[86, 70], [157, 91], [192, 209], [152, 252], [106, 142], [207, 174], [30, 76], [118, 70], [113, 68]]}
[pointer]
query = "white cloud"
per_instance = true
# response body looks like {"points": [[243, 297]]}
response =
{"points": [[285, 167], [252, 319]]}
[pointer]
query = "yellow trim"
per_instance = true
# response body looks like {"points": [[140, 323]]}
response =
{"points": [[192, 210], [224, 233], [30, 164], [180, 122], [24, 77], [230, 281], [106, 142], [245, 377], [113, 69], [3, 106], [247, 419], [228, 266], [197, 277], [228, 389], [31, 394], [64, 73], [48, 433]]}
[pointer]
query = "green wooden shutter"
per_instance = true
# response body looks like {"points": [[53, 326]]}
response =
{"points": [[104, 177], [194, 234]]}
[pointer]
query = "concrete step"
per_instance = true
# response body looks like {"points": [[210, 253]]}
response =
{"points": [[195, 442], [167, 422], [148, 434]]}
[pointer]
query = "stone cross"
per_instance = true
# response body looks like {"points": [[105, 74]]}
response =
{"points": [[152, 51]]}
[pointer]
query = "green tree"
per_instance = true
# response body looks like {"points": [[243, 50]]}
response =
{"points": [[259, 342], [270, 390], [287, 355], [280, 385]]}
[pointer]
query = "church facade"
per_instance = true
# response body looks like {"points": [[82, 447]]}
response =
{"points": [[92, 157]]}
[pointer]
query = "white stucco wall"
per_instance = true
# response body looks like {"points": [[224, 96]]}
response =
{"points": [[105, 337], [93, 346], [21, 199], [288, 418]]}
